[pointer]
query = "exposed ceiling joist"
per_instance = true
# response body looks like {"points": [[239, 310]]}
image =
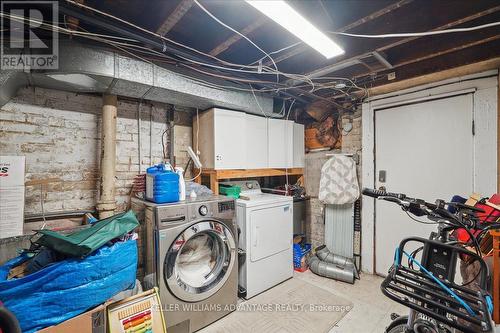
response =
{"points": [[463, 70], [375, 15], [355, 59], [448, 50], [382, 59], [443, 27], [450, 60], [301, 48], [235, 37], [172, 19]]}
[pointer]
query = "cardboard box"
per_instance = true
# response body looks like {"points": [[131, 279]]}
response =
{"points": [[110, 316], [92, 321], [12, 170]]}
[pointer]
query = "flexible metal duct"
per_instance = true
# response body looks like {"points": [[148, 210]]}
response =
{"points": [[332, 271], [87, 69], [324, 254]]}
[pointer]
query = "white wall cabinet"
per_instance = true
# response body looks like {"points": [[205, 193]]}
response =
{"points": [[280, 143], [234, 140], [256, 142], [222, 139], [298, 146]]}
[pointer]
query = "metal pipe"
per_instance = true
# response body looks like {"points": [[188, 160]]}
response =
{"points": [[158, 44], [56, 215], [107, 204], [332, 271], [139, 134], [324, 254], [151, 134]]}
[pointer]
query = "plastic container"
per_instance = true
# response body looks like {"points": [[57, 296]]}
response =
{"points": [[230, 191], [299, 253], [182, 184], [162, 185]]}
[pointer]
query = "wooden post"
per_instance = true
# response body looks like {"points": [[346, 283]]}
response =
{"points": [[214, 183]]}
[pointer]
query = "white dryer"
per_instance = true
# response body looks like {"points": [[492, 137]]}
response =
{"points": [[266, 226]]}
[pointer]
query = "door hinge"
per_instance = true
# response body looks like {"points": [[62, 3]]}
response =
{"points": [[473, 128]]}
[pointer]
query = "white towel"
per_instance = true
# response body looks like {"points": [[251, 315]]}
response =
{"points": [[339, 182]]}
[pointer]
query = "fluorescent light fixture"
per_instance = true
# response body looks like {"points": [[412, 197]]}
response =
{"points": [[283, 14]]}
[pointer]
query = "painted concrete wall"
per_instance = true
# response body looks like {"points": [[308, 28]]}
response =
{"points": [[59, 133]]}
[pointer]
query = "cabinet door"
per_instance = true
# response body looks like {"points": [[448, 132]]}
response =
{"points": [[280, 143], [230, 141], [276, 144], [256, 142], [289, 144], [298, 146]]}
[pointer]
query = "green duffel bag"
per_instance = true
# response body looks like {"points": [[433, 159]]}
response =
{"points": [[84, 242]]}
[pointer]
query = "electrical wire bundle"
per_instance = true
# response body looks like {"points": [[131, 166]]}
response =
{"points": [[256, 75]]}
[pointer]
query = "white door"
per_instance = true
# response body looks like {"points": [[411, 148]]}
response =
{"points": [[270, 231], [426, 151], [230, 140]]}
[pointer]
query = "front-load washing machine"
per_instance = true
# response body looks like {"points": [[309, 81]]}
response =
{"points": [[196, 261]]}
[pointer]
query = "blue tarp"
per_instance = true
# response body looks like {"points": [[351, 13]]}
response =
{"points": [[70, 287]]}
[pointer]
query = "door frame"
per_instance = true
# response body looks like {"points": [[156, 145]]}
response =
{"points": [[484, 87]]}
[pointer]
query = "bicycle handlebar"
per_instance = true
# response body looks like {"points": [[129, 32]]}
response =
{"points": [[379, 193], [419, 207]]}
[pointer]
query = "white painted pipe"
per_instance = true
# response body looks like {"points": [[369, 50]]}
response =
{"points": [[107, 204]]}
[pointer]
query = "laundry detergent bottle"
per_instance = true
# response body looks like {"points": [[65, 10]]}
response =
{"points": [[162, 184]]}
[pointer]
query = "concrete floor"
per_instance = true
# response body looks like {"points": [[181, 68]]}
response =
{"points": [[371, 309], [371, 312]]}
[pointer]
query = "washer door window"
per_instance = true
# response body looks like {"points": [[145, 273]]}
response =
{"points": [[200, 261]]}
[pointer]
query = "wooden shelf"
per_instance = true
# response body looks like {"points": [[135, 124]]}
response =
{"points": [[216, 175]]}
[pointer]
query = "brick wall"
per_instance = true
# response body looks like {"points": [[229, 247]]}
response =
{"points": [[351, 143], [59, 133]]}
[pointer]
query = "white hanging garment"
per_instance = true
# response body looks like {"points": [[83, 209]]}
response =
{"points": [[339, 183]]}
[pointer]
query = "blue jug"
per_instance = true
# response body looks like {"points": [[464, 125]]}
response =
{"points": [[162, 185]]}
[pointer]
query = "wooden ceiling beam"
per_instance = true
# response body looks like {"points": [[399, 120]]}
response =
{"points": [[446, 50], [301, 48], [235, 37], [451, 60], [443, 27], [345, 63], [434, 76], [435, 54], [172, 19]]}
